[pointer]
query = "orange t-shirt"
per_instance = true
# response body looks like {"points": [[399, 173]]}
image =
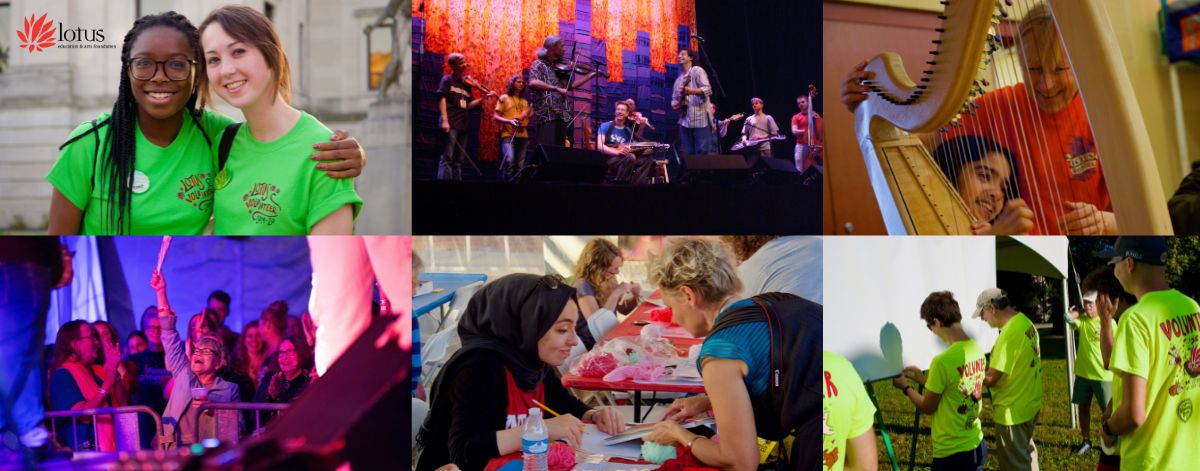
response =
{"points": [[1055, 153]]}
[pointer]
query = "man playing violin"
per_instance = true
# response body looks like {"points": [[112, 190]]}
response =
{"points": [[613, 140], [639, 121], [690, 98], [456, 100], [550, 80]]}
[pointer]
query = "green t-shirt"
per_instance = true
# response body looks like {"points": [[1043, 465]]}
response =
{"points": [[1017, 398], [1155, 339], [274, 188], [848, 411], [1089, 363], [957, 374], [173, 191]]}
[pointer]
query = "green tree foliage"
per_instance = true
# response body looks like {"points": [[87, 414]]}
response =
{"points": [[1183, 264]]}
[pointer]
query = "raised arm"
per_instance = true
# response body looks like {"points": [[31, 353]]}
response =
{"points": [[176, 356]]}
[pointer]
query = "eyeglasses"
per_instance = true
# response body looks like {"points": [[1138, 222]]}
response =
{"points": [[175, 69], [290, 353], [204, 351]]}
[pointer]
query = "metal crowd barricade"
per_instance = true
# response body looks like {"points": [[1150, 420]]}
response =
{"points": [[227, 428], [125, 424]]}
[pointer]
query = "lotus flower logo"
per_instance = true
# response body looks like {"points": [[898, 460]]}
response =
{"points": [[38, 34]]}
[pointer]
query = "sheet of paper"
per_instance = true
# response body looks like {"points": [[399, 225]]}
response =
{"points": [[636, 432], [608, 466], [594, 441]]}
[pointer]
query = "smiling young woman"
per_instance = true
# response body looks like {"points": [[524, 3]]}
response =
{"points": [[147, 167], [267, 186]]}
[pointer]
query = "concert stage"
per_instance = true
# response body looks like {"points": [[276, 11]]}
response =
{"points": [[737, 51], [574, 208]]}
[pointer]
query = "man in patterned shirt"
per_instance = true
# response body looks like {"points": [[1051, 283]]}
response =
{"points": [[695, 125], [549, 93]]}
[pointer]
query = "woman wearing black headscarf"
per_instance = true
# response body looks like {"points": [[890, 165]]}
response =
{"points": [[514, 330]]}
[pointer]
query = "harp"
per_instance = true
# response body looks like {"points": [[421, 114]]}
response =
{"points": [[916, 197]]}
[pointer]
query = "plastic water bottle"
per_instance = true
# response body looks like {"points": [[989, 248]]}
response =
{"points": [[535, 442]]}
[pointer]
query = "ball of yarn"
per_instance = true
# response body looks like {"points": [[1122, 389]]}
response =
{"points": [[634, 358], [663, 315], [596, 366], [657, 454], [561, 457]]}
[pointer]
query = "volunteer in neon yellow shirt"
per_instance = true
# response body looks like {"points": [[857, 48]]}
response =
{"points": [[1111, 302], [146, 167], [1092, 378], [1155, 357], [848, 439], [953, 389], [1015, 376], [266, 187]]}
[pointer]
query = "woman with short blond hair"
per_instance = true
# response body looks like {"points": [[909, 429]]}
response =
{"points": [[700, 284]]}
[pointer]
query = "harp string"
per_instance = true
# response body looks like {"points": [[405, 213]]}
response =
{"points": [[1020, 111]]}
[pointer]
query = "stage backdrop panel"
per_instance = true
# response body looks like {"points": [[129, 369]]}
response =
{"points": [[874, 289], [255, 271], [116, 274]]}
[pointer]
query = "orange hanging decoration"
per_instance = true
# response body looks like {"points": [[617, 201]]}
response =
{"points": [[600, 19], [500, 38], [566, 11], [643, 16]]}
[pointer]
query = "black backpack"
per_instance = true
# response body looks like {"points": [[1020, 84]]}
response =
{"points": [[792, 403], [226, 144]]}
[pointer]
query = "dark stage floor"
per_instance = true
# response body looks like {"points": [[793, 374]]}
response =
{"points": [[446, 207]]}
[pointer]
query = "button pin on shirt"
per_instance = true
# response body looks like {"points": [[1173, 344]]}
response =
{"points": [[141, 183]]}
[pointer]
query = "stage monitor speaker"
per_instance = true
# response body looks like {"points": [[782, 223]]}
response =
{"points": [[566, 164], [779, 171], [357, 411], [715, 168]]}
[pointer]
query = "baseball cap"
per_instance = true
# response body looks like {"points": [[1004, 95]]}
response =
{"points": [[1145, 249], [985, 299]]}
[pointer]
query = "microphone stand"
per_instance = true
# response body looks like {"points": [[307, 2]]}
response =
{"points": [[715, 75]]}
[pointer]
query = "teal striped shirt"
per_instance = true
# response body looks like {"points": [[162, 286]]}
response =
{"points": [[749, 342]]}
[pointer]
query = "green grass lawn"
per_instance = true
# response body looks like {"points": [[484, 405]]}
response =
{"points": [[1054, 436]]}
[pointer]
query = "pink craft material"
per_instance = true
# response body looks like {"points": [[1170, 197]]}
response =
{"points": [[561, 457], [596, 366], [663, 315], [647, 371]]}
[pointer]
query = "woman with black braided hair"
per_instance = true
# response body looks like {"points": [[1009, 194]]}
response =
{"points": [[148, 167]]}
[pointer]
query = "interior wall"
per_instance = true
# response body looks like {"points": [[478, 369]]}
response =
{"points": [[1135, 23], [854, 33]]}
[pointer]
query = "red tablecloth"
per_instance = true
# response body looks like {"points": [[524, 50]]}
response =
{"points": [[627, 329]]}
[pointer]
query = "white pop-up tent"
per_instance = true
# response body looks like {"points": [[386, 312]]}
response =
{"points": [[875, 286]]}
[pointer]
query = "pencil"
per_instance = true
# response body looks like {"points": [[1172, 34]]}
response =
{"points": [[547, 409], [556, 414]]}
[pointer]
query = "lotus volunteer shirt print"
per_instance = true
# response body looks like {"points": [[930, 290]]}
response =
{"points": [[277, 191]]}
